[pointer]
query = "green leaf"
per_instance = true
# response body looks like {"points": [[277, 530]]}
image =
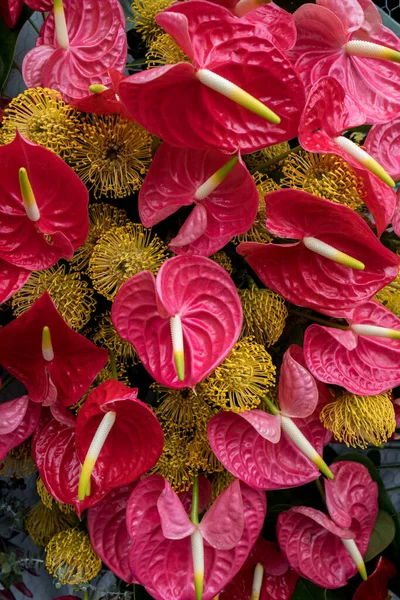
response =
{"points": [[382, 535], [305, 590], [9, 39], [127, 8]]}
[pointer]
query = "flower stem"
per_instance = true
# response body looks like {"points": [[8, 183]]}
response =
{"points": [[271, 406], [8, 380], [34, 26], [194, 513], [276, 159], [299, 313], [114, 371]]}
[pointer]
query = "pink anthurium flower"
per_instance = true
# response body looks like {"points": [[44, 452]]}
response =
{"points": [[266, 574], [366, 355], [376, 587], [118, 437], [76, 48], [338, 262], [183, 323], [383, 144], [223, 194], [103, 100], [18, 420], [176, 557], [108, 531], [51, 360], [348, 41], [329, 551], [232, 94], [278, 450]]}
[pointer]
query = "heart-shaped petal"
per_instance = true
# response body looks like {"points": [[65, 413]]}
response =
{"points": [[383, 143], [22, 432], [223, 524], [12, 279], [298, 392], [12, 414], [175, 522]]}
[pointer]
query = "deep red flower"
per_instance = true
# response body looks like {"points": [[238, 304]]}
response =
{"points": [[174, 103], [223, 194], [96, 42], [18, 420], [104, 100], [361, 363], [10, 11], [12, 279], [306, 278], [194, 299], [325, 34], [376, 586], [63, 378]]}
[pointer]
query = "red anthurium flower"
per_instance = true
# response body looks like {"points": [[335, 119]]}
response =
{"points": [[226, 97], [376, 586], [118, 437], [40, 5], [103, 100], [278, 450], [266, 572], [10, 11], [329, 552], [338, 262], [75, 49], [223, 193], [18, 420], [51, 360], [183, 323], [108, 531], [383, 144], [169, 550], [349, 42], [366, 356], [40, 195], [12, 279]]}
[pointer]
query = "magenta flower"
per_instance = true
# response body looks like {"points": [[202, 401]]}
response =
{"points": [[266, 572], [183, 323], [108, 531], [338, 262], [223, 193], [349, 42], [366, 356], [169, 551], [18, 420], [76, 49], [226, 97], [118, 437], [329, 551], [278, 450], [52, 361], [383, 144]]}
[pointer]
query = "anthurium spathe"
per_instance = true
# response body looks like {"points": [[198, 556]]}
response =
{"points": [[18, 420], [234, 93], [43, 208], [383, 144], [364, 359], [338, 262], [162, 535], [118, 437], [278, 450], [103, 100], [266, 572], [220, 188], [377, 585], [10, 11], [77, 45], [329, 551], [108, 531], [12, 278], [349, 42], [183, 323], [52, 361]]}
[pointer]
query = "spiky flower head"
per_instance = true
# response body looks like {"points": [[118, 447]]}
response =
{"points": [[41, 115], [113, 155], [144, 13], [106, 336], [360, 420], [258, 231], [163, 50], [70, 558], [174, 463], [223, 260], [390, 297], [257, 160], [102, 218], [18, 463], [264, 315], [122, 253], [200, 453], [244, 377], [324, 175], [73, 298], [43, 523], [183, 409]]}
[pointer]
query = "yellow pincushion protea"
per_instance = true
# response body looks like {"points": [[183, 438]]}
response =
{"points": [[106, 336], [258, 231], [257, 160], [243, 379], [18, 463], [144, 13], [43, 523], [48, 500], [389, 296], [174, 463], [163, 50], [223, 260], [183, 409], [360, 420], [70, 558], [264, 315]]}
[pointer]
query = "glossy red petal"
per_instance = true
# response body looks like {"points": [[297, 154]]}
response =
{"points": [[12, 279], [163, 99], [76, 360], [164, 566], [40, 5], [135, 441], [12, 413], [23, 430], [369, 368], [104, 103], [279, 23], [10, 11], [298, 392], [223, 524], [258, 462], [97, 42], [175, 522], [383, 143], [62, 200], [209, 306], [306, 278], [108, 532], [377, 585]]}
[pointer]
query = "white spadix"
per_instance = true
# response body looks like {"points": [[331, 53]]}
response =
{"points": [[364, 159], [257, 582], [206, 188], [47, 347], [177, 345], [376, 331], [371, 50], [332, 253], [355, 554], [60, 25]]}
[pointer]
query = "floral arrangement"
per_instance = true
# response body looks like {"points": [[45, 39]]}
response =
{"points": [[199, 287]]}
